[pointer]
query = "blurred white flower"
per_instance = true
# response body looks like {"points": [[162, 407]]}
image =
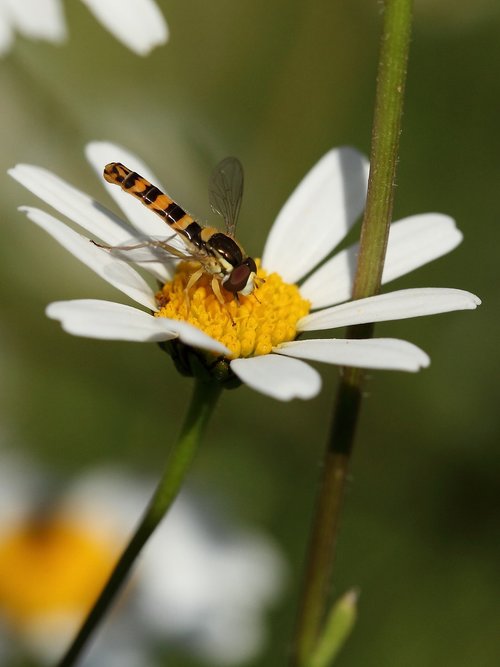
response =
{"points": [[261, 343], [139, 25], [200, 582]]}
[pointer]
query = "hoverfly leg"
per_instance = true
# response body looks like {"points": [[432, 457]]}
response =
{"points": [[192, 280], [216, 291], [101, 245], [258, 282], [219, 297], [134, 246]]}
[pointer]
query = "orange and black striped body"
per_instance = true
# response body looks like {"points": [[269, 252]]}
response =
{"points": [[218, 253], [156, 200]]}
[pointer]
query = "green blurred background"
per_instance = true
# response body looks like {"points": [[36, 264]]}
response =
{"points": [[278, 84]]}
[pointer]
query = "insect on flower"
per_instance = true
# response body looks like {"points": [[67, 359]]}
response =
{"points": [[260, 342], [217, 253]]}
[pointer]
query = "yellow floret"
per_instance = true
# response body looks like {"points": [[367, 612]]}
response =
{"points": [[250, 326], [51, 566]]}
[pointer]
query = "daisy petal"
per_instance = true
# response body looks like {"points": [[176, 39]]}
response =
{"points": [[139, 25], [384, 353], [74, 204], [38, 19], [418, 240], [318, 214], [113, 270], [278, 377], [190, 335], [397, 305], [6, 34], [106, 320], [81, 209], [332, 282], [413, 242]]}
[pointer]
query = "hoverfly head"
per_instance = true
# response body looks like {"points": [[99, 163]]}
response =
{"points": [[241, 279]]}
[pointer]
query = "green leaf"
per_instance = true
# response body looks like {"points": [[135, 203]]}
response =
{"points": [[338, 625]]}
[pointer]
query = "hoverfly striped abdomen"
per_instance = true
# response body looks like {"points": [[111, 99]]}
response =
{"points": [[193, 233], [151, 196]]}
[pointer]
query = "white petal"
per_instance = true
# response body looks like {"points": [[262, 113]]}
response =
{"points": [[318, 214], [192, 336], [79, 207], [384, 353], [6, 30], [73, 203], [418, 240], [113, 270], [413, 242], [115, 321], [398, 305], [38, 19], [106, 320], [332, 282], [278, 377], [99, 154], [139, 25]]}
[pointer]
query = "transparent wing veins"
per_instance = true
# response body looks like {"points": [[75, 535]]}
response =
{"points": [[226, 191], [149, 250]]}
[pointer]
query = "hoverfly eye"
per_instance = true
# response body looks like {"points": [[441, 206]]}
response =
{"points": [[251, 265], [238, 278]]}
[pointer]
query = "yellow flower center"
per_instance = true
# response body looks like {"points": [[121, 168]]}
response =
{"points": [[250, 326], [51, 566]]}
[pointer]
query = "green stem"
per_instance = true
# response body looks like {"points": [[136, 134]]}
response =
{"points": [[375, 230], [179, 460]]}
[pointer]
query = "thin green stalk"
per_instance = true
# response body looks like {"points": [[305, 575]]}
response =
{"points": [[178, 462], [375, 230]]}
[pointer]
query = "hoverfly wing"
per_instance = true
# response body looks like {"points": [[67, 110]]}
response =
{"points": [[147, 249], [226, 191]]}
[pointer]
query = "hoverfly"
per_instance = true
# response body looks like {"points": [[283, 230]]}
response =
{"points": [[218, 254]]}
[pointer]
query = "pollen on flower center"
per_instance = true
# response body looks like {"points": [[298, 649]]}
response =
{"points": [[249, 327]]}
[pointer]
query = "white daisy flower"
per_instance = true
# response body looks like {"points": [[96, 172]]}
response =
{"points": [[200, 583], [255, 340], [139, 25]]}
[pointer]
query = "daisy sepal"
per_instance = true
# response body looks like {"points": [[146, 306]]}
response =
{"points": [[375, 353], [106, 320], [83, 210], [139, 25], [113, 270], [413, 242], [277, 376], [398, 305], [317, 215]]}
